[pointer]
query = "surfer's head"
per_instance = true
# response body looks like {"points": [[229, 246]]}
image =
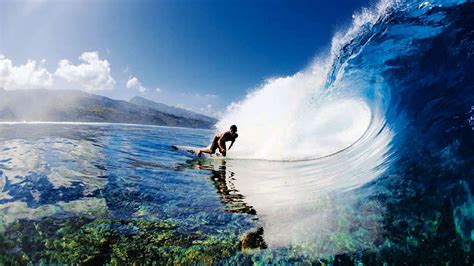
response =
{"points": [[233, 128]]}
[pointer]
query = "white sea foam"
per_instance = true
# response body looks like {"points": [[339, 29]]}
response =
{"points": [[282, 121], [295, 117]]}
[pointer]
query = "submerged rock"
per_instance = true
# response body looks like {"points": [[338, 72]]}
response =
{"points": [[254, 240]]}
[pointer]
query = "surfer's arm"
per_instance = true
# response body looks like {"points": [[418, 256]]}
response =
{"points": [[233, 140]]}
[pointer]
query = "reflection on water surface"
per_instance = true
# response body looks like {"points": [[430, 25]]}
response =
{"points": [[119, 194]]}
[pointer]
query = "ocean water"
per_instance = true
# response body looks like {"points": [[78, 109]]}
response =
{"points": [[365, 157], [61, 182]]}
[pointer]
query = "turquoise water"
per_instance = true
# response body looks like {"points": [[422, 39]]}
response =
{"points": [[118, 193], [58, 176], [117, 173]]}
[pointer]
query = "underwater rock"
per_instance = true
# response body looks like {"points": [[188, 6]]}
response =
{"points": [[253, 240]]}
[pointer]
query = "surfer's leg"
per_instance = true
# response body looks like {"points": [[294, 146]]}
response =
{"points": [[205, 151], [211, 149]]}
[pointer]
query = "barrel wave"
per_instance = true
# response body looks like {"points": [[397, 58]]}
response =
{"points": [[386, 116], [364, 157], [379, 75]]}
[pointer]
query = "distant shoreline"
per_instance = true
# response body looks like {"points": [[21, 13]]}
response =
{"points": [[56, 105], [95, 124]]}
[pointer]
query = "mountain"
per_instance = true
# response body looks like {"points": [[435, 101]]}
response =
{"points": [[171, 110], [79, 106]]}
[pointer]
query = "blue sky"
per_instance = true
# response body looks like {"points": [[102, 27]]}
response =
{"points": [[200, 55]]}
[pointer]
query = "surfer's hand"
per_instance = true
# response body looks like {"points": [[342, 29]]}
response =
{"points": [[223, 152]]}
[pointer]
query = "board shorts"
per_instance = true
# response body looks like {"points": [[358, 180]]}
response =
{"points": [[215, 145]]}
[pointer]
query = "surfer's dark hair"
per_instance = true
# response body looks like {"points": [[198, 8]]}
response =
{"points": [[233, 128]]}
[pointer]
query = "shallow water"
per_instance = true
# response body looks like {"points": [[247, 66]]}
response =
{"points": [[118, 193], [106, 172]]}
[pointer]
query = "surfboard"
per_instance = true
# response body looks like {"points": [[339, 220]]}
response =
{"points": [[191, 152]]}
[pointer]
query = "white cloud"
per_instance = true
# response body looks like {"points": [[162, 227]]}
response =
{"points": [[183, 106], [133, 83], [199, 97], [212, 96], [206, 110], [158, 90], [209, 111], [27, 76], [93, 74], [207, 104]]}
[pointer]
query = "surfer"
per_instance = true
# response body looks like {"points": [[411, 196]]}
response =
{"points": [[220, 140]]}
